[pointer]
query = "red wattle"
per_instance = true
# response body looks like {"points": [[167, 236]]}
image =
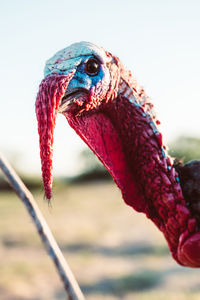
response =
{"points": [[101, 136]]}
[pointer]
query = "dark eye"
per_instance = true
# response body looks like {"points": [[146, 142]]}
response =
{"points": [[92, 67]]}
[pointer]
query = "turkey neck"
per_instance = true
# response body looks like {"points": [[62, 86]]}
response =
{"points": [[124, 135], [151, 168]]}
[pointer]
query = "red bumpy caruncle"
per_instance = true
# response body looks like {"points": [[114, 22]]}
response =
{"points": [[51, 91]]}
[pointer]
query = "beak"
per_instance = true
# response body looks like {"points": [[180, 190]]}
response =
{"points": [[51, 92]]}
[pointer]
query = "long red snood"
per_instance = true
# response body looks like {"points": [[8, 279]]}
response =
{"points": [[51, 90]]}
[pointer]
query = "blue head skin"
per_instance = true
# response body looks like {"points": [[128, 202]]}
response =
{"points": [[92, 78]]}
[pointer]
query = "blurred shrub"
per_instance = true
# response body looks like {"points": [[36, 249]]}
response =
{"points": [[90, 162], [31, 182], [91, 168], [185, 148]]}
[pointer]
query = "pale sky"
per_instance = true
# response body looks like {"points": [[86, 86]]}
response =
{"points": [[159, 41]]}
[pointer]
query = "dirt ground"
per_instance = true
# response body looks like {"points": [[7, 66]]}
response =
{"points": [[114, 252]]}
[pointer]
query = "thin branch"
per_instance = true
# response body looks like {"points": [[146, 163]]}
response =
{"points": [[70, 284]]}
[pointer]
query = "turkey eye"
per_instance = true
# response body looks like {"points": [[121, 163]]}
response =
{"points": [[92, 67]]}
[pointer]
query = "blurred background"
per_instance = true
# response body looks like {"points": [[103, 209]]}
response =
{"points": [[114, 252]]}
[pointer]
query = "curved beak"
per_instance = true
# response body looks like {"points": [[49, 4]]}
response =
{"points": [[51, 91]]}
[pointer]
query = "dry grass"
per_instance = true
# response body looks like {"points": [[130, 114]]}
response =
{"points": [[114, 252]]}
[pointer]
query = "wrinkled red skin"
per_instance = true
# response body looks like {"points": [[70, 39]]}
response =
{"points": [[120, 135], [51, 91]]}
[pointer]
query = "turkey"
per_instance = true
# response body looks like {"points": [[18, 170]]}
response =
{"points": [[107, 108]]}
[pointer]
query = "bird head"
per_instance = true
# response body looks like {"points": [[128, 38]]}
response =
{"points": [[79, 80], [92, 82]]}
